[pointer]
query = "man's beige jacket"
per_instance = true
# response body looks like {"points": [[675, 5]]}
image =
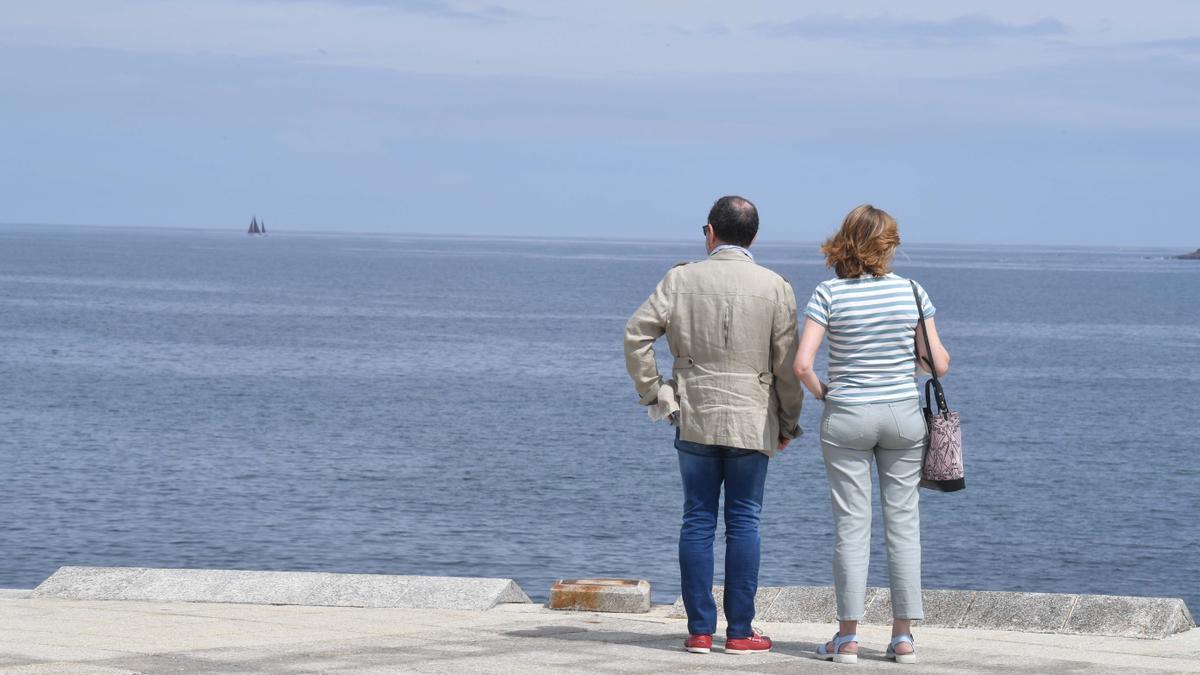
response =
{"points": [[731, 326]]}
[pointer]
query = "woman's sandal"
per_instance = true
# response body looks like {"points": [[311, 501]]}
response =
{"points": [[836, 655], [911, 657]]}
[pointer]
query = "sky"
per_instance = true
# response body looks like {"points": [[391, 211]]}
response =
{"points": [[1013, 122]]}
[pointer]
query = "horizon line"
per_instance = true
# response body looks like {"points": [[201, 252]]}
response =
{"points": [[564, 237]]}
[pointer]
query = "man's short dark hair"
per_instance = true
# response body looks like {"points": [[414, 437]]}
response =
{"points": [[734, 220]]}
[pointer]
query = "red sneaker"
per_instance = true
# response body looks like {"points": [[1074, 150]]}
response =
{"points": [[757, 643], [698, 644]]}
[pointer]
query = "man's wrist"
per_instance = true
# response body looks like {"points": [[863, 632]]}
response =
{"points": [[651, 395]]}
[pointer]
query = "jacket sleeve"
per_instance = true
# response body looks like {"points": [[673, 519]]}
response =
{"points": [[784, 341], [646, 325]]}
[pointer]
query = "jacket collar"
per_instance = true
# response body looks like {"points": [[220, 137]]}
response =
{"points": [[728, 252]]}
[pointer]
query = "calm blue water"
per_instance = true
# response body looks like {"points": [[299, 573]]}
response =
{"points": [[460, 406]]}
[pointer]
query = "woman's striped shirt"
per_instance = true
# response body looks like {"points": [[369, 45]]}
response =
{"points": [[871, 323]]}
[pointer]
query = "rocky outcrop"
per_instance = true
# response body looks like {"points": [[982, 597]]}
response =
{"points": [[1195, 255]]}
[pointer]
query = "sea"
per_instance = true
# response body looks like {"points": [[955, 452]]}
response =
{"points": [[445, 405]]}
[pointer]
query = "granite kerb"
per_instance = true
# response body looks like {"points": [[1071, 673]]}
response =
{"points": [[325, 589], [1070, 614]]}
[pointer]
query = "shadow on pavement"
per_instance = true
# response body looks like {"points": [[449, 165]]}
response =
{"points": [[661, 642], [670, 643]]}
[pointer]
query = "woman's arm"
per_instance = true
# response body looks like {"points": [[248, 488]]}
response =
{"points": [[941, 357], [806, 354]]}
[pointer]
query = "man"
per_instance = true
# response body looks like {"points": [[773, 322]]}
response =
{"points": [[731, 326]]}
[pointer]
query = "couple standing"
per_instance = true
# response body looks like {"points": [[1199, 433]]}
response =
{"points": [[735, 399]]}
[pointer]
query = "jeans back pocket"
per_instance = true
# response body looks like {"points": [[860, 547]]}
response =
{"points": [[910, 422]]}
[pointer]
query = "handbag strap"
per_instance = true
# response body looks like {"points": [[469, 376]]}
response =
{"points": [[937, 384]]}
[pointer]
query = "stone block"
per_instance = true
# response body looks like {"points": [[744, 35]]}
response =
{"points": [[762, 600], [196, 586], [943, 608], [88, 583], [677, 611], [375, 590], [1027, 612], [1106, 615], [804, 604], [279, 588], [1123, 616], [349, 590], [601, 595]]}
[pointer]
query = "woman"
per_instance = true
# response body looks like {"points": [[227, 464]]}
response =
{"points": [[872, 411]]}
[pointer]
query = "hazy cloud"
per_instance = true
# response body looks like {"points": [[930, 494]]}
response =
{"points": [[885, 27], [713, 29], [482, 13], [1190, 45]]}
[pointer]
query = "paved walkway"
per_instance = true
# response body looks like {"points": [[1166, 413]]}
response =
{"points": [[61, 636]]}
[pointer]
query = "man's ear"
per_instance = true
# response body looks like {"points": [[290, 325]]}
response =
{"points": [[753, 239]]}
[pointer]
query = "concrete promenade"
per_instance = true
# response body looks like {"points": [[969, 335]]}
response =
{"points": [[47, 635]]}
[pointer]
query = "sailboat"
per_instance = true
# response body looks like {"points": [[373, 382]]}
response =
{"points": [[256, 227]]}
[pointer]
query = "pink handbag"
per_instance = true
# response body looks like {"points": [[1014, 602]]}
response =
{"points": [[942, 469]]}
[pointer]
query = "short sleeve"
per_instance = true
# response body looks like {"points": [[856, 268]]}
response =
{"points": [[926, 304], [818, 305]]}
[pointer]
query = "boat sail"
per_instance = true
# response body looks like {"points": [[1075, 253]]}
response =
{"points": [[255, 228]]}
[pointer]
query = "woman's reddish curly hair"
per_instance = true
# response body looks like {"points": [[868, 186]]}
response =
{"points": [[864, 245]]}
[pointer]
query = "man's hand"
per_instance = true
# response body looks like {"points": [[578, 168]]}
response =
{"points": [[783, 442]]}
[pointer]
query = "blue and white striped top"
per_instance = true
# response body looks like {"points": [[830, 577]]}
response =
{"points": [[871, 323]]}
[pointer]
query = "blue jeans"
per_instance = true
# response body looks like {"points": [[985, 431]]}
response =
{"points": [[744, 472]]}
